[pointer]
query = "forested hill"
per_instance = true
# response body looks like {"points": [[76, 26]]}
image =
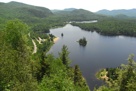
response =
{"points": [[69, 9], [38, 17], [22, 11], [130, 12], [29, 13], [78, 15]]}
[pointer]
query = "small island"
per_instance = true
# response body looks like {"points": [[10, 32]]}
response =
{"points": [[82, 41], [61, 34]]}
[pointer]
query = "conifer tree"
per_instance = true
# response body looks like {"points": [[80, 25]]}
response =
{"points": [[64, 55], [77, 76]]}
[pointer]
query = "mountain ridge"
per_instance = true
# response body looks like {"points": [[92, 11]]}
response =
{"points": [[66, 9], [127, 12]]}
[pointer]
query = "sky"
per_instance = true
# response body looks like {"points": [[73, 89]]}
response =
{"points": [[91, 5]]}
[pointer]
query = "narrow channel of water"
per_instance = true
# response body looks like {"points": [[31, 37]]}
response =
{"points": [[100, 51]]}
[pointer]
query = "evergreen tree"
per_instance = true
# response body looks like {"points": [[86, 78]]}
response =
{"points": [[44, 68], [64, 55], [77, 76]]}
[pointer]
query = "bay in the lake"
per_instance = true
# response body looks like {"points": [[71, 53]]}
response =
{"points": [[100, 51]]}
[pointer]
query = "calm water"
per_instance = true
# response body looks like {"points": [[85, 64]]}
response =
{"points": [[100, 51]]}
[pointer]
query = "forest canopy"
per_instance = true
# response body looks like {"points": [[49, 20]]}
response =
{"points": [[23, 71]]}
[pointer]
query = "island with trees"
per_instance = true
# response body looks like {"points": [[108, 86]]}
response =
{"points": [[82, 41]]}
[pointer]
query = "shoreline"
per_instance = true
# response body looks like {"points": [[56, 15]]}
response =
{"points": [[55, 39]]}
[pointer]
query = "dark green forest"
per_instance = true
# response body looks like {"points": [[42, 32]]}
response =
{"points": [[111, 27], [22, 69]]}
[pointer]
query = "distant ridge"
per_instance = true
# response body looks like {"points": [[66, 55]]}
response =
{"points": [[67, 9], [72, 14], [129, 12]]}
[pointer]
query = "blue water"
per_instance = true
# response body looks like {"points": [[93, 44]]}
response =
{"points": [[100, 51]]}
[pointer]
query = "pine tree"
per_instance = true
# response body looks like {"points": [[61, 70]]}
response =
{"points": [[64, 55], [78, 79]]}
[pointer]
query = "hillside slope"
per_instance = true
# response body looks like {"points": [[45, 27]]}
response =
{"points": [[78, 15], [22, 11]]}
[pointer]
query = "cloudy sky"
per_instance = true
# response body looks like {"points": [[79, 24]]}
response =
{"points": [[91, 5]]}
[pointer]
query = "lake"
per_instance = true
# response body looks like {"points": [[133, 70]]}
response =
{"points": [[100, 51]]}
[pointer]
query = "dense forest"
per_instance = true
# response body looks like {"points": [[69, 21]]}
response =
{"points": [[23, 71], [111, 27], [24, 28]]}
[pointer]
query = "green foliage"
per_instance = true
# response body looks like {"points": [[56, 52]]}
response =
{"points": [[128, 75], [15, 73], [64, 56], [122, 78], [41, 28], [58, 78], [112, 73], [16, 32], [22, 71], [56, 81], [78, 79], [101, 73]]}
